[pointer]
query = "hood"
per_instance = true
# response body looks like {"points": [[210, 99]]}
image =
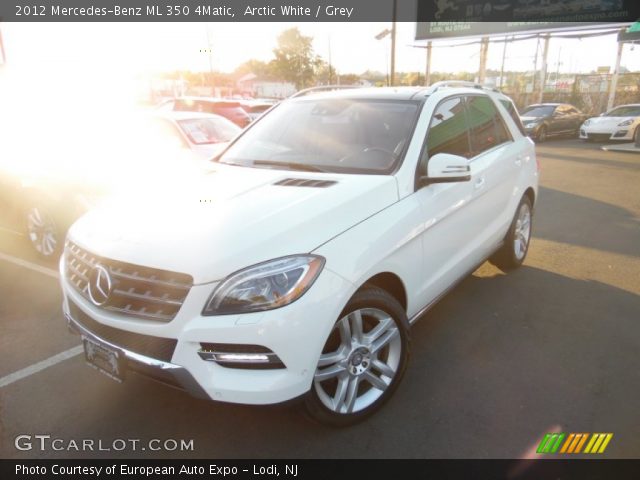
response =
{"points": [[216, 223], [608, 121], [209, 150]]}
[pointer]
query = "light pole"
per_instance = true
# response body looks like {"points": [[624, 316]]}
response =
{"points": [[383, 34]]}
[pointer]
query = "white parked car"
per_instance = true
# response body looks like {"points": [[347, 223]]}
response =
{"points": [[296, 268], [621, 123]]}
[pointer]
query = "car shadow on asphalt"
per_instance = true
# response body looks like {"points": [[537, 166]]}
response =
{"points": [[583, 221]]}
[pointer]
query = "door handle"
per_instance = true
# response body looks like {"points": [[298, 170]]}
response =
{"points": [[479, 183]]}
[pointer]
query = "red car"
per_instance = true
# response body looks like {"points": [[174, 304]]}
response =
{"points": [[230, 109]]}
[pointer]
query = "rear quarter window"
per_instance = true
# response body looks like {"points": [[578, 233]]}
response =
{"points": [[513, 113]]}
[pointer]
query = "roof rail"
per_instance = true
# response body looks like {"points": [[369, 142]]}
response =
{"points": [[462, 83], [322, 88]]}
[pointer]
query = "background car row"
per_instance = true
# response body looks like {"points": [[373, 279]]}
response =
{"points": [[545, 120]]}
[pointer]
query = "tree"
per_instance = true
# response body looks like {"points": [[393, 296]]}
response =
{"points": [[295, 60], [257, 67]]}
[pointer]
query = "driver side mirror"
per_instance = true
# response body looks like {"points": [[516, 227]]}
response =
{"points": [[446, 168]]}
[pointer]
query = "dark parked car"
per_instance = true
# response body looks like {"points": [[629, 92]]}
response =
{"points": [[230, 109], [544, 120]]}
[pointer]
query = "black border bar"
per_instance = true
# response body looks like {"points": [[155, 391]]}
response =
{"points": [[543, 469], [515, 11]]}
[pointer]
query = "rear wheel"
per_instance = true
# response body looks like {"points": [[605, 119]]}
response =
{"points": [[516, 243], [363, 359], [636, 136]]}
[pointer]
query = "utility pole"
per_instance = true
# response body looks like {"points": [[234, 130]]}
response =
{"points": [[330, 66], [392, 81], [427, 73], [614, 78], [484, 50], [543, 71], [210, 45], [535, 65], [504, 56]]}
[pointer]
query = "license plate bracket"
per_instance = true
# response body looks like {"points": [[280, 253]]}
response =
{"points": [[104, 359]]}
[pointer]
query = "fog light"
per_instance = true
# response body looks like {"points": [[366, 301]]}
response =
{"points": [[240, 356]]}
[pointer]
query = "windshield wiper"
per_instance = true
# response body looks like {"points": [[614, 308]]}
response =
{"points": [[304, 167]]}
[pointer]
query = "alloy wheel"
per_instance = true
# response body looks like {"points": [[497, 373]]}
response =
{"points": [[359, 362], [522, 231], [42, 231]]}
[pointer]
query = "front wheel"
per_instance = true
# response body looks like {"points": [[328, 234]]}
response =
{"points": [[541, 137], [43, 231], [363, 359], [516, 243]]}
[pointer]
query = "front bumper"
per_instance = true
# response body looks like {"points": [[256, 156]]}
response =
{"points": [[621, 133], [295, 333], [167, 373]]}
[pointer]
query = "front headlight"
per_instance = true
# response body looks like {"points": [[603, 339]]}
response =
{"points": [[265, 286], [586, 122], [626, 123]]}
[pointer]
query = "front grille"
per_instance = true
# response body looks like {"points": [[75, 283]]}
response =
{"points": [[599, 137], [154, 347], [136, 291]]}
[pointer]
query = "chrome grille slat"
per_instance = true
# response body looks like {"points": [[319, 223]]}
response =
{"points": [[155, 316], [78, 273], [149, 298], [141, 292], [149, 280]]}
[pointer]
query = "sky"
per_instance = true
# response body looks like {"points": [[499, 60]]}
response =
{"points": [[154, 47]]}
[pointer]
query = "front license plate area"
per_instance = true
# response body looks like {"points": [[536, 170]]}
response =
{"points": [[104, 359]]}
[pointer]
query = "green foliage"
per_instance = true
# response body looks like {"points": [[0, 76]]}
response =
{"points": [[295, 60]]}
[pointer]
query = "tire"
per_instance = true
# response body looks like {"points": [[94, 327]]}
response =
{"points": [[636, 137], [541, 137], [516, 243], [358, 373], [43, 231]]}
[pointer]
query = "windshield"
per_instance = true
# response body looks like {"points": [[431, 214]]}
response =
{"points": [[629, 111], [203, 131], [334, 135], [538, 111]]}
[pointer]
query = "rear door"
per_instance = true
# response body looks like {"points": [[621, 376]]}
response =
{"points": [[495, 161]]}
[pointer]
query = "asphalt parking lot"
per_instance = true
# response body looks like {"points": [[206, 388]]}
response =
{"points": [[498, 363]]}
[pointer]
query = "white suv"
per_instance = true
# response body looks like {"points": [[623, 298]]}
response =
{"points": [[295, 268]]}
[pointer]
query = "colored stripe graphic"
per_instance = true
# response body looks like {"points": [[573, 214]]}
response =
{"points": [[598, 442], [574, 442]]}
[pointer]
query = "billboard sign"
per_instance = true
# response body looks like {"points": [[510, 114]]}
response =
{"points": [[467, 18]]}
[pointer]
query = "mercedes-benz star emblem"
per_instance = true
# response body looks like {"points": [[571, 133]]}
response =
{"points": [[99, 286]]}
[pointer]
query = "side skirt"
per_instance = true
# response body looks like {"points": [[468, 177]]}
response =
{"points": [[432, 303]]}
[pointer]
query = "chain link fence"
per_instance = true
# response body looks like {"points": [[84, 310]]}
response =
{"points": [[589, 93]]}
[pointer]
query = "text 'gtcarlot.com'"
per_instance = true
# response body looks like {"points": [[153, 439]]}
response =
{"points": [[47, 443]]}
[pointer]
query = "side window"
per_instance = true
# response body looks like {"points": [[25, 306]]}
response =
{"points": [[449, 130], [486, 125], [560, 111], [514, 115]]}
